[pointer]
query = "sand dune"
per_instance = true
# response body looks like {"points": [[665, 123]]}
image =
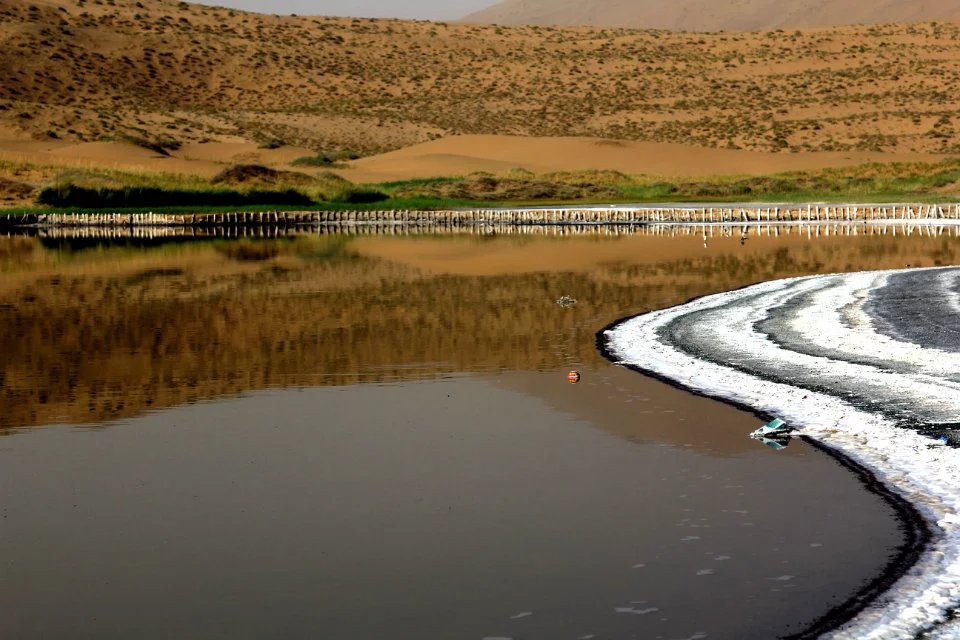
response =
{"points": [[186, 74], [455, 155], [452, 156], [710, 15], [460, 155], [105, 85], [191, 159]]}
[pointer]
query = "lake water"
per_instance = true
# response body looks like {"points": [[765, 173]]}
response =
{"points": [[370, 436]]}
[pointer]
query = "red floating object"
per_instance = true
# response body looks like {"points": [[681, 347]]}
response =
{"points": [[573, 377]]}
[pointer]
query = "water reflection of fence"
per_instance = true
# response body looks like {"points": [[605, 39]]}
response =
{"points": [[608, 215], [704, 231], [150, 233]]}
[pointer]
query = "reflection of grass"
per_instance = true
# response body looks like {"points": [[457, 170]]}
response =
{"points": [[324, 248], [305, 248], [250, 250], [150, 274], [345, 321]]}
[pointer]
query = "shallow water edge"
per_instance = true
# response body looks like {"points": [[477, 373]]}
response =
{"points": [[916, 531], [834, 355]]}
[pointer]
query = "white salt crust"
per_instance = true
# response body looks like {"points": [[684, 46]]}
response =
{"points": [[908, 463]]}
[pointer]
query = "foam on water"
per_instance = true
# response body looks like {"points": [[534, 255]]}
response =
{"points": [[867, 364]]}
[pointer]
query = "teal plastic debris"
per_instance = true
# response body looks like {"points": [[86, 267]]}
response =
{"points": [[777, 444], [775, 427], [775, 434]]}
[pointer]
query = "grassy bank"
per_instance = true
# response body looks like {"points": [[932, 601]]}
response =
{"points": [[891, 182], [253, 187]]}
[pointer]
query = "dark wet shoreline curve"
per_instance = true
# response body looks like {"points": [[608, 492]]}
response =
{"points": [[916, 532], [831, 355]]}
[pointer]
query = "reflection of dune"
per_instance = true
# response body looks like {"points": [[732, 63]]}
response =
{"points": [[100, 333], [620, 402]]}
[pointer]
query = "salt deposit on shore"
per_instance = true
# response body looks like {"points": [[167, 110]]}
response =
{"points": [[867, 364]]}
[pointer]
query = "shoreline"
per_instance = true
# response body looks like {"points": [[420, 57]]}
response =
{"points": [[895, 462], [682, 214], [916, 528]]}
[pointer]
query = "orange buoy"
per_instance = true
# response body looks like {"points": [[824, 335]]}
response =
{"points": [[573, 377]]}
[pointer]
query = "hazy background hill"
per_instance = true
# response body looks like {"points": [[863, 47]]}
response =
{"points": [[714, 15]]}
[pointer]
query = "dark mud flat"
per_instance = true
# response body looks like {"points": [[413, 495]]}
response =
{"points": [[360, 437]]}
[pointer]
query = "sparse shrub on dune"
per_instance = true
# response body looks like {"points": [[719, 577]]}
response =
{"points": [[326, 186], [255, 174], [14, 190], [271, 143], [515, 186], [520, 173], [604, 177], [245, 173], [162, 144], [332, 159], [870, 181], [206, 73]]}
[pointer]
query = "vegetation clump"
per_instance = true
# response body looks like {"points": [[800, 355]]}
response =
{"points": [[247, 251], [484, 186], [358, 195], [116, 189], [12, 190], [250, 174], [162, 144], [69, 195], [257, 185], [334, 159]]}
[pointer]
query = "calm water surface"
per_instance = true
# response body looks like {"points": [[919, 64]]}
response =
{"points": [[372, 436]]}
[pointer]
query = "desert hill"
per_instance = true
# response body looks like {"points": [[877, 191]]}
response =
{"points": [[462, 155], [714, 15], [187, 83]]}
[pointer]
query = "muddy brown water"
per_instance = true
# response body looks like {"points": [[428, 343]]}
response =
{"points": [[373, 436]]}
